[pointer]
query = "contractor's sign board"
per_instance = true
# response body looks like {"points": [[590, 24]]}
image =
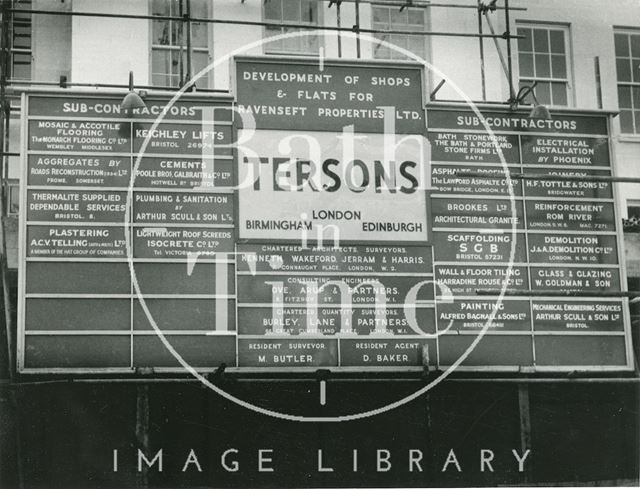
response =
{"points": [[317, 220], [330, 149], [339, 198], [107, 236], [321, 95], [559, 236]]}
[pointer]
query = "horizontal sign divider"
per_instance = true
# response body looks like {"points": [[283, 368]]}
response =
{"points": [[528, 231], [488, 332], [131, 154], [201, 259], [183, 332], [186, 190], [567, 167], [81, 371], [338, 274], [551, 177], [525, 197], [481, 164], [340, 369], [179, 225], [559, 293], [120, 224], [530, 198], [145, 120], [333, 337], [525, 298], [417, 305], [569, 231], [517, 133], [75, 260], [466, 195], [492, 332], [127, 296], [128, 332], [126, 260], [79, 332], [524, 264], [583, 368], [578, 333], [130, 224]]}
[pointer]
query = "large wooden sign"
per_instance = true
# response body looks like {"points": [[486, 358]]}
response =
{"points": [[319, 220], [322, 95], [339, 164], [564, 234], [112, 242], [352, 161]]}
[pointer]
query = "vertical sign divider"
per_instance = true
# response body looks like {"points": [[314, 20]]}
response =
{"points": [[523, 186], [435, 308], [130, 230], [22, 236]]}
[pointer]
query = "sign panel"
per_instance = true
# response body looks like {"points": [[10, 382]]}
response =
{"points": [[318, 241], [336, 154], [319, 293], [314, 95], [336, 185], [551, 237], [79, 307], [71, 171]]}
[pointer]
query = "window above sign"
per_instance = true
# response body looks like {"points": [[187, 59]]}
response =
{"points": [[632, 223], [544, 57], [20, 42], [392, 19], [627, 46], [170, 54], [291, 12]]}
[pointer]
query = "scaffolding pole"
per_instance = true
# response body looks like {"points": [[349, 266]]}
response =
{"points": [[356, 28], [481, 46], [14, 395]]}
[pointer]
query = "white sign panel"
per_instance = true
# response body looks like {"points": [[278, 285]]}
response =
{"points": [[322, 185]]}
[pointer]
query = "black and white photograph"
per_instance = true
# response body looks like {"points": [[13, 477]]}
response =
{"points": [[319, 244]]}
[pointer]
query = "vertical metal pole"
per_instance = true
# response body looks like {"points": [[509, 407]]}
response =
{"points": [[339, 24], [507, 32], [4, 267], [189, 71], [5, 56], [14, 396], [3, 79], [481, 44], [525, 428], [142, 431], [181, 36], [358, 28], [4, 119]]}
